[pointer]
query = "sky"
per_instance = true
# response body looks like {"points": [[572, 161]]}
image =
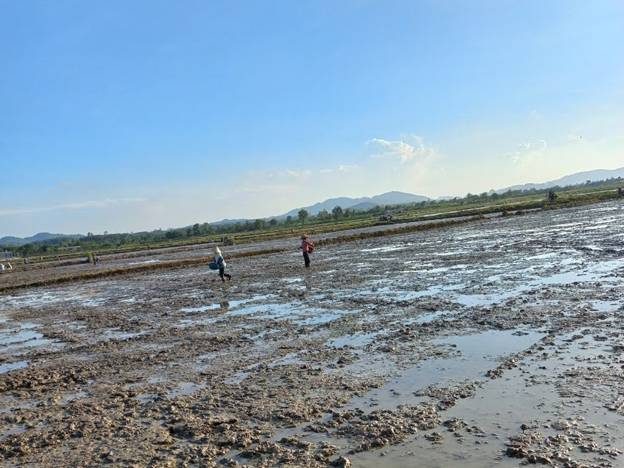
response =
{"points": [[133, 115]]}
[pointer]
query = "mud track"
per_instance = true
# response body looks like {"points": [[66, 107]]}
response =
{"points": [[495, 343]]}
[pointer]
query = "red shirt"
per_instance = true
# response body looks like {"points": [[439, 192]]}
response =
{"points": [[305, 245]]}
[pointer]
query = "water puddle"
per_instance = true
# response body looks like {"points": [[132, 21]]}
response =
{"points": [[356, 340], [292, 280], [386, 248], [185, 389], [501, 406], [606, 306], [395, 293], [226, 304], [115, 334], [144, 262], [194, 310], [477, 354], [15, 430], [289, 360], [22, 337], [4, 368], [602, 272], [145, 398], [320, 318], [430, 317], [299, 313], [237, 378]]}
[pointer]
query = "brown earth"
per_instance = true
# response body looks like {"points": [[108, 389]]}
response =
{"points": [[490, 343]]}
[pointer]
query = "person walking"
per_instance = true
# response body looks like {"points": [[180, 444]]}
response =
{"points": [[220, 262], [307, 246]]}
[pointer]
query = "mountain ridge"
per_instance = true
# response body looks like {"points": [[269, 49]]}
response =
{"points": [[360, 203], [363, 203], [571, 179], [13, 241]]}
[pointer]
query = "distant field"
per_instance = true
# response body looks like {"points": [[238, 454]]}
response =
{"points": [[467, 206]]}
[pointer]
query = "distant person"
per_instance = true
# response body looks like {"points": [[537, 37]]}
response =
{"points": [[219, 261], [552, 196], [307, 246]]}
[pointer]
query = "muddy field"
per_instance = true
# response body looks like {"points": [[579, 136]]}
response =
{"points": [[55, 269], [495, 343]]}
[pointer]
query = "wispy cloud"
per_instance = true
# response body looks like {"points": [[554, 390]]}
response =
{"points": [[282, 174], [341, 169], [91, 204], [297, 175], [528, 151], [407, 149]]}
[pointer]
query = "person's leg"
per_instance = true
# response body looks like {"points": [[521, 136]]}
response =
{"points": [[222, 273], [306, 259]]}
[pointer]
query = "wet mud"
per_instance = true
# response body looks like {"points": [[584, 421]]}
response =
{"points": [[486, 344]]}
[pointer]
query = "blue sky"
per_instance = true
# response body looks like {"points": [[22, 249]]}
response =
{"points": [[131, 115]]}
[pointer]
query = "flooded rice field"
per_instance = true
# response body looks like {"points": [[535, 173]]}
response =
{"points": [[497, 343]]}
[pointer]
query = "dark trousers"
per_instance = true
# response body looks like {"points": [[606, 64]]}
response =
{"points": [[306, 259], [222, 273]]}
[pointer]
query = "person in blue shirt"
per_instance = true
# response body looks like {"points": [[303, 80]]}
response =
{"points": [[220, 261]]}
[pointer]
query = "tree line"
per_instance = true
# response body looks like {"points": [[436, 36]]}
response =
{"points": [[219, 231]]}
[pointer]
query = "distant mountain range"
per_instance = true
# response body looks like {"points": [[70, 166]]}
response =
{"points": [[10, 241], [364, 203], [573, 179], [360, 204]]}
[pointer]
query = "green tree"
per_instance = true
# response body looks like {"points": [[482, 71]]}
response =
{"points": [[323, 214], [303, 215], [337, 212]]}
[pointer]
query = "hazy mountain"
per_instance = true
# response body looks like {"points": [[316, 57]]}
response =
{"points": [[11, 241], [364, 206], [362, 203], [397, 198], [572, 179], [224, 222]]}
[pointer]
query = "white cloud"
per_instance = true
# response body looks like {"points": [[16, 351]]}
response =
{"points": [[407, 149], [293, 176], [528, 151], [282, 174], [73, 206], [574, 138], [342, 169], [407, 164]]}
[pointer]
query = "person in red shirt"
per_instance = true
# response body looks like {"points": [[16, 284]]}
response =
{"points": [[307, 246]]}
